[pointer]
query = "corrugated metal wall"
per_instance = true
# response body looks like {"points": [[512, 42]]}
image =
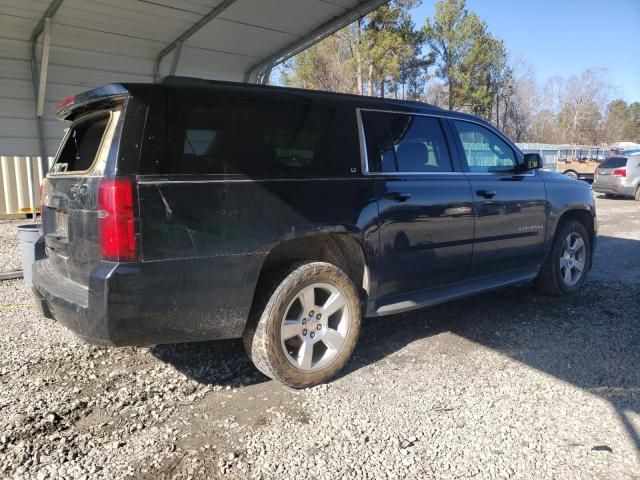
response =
{"points": [[80, 59], [95, 42], [20, 179], [92, 43], [18, 135]]}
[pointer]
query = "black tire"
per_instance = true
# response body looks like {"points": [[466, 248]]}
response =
{"points": [[609, 195], [262, 335], [637, 195], [571, 174], [550, 279]]}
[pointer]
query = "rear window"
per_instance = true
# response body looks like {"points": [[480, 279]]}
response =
{"points": [[263, 138], [614, 162], [81, 145], [399, 142]]}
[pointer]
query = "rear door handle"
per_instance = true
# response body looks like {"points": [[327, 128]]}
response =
{"points": [[486, 193], [397, 196]]}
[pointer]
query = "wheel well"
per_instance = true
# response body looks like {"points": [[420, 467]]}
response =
{"points": [[340, 250], [582, 216]]}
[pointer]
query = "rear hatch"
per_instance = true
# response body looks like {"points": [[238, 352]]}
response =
{"points": [[608, 171], [70, 212]]}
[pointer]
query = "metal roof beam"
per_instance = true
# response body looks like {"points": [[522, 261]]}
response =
{"points": [[178, 42], [39, 76], [259, 72]]}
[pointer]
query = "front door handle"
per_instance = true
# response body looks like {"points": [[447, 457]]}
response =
{"points": [[397, 196], [486, 193]]}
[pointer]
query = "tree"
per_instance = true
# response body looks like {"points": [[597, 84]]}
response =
{"points": [[621, 122], [544, 128], [391, 48], [617, 121], [581, 100], [483, 74], [634, 115], [451, 36], [384, 54], [378, 54], [517, 100], [437, 94], [323, 66]]}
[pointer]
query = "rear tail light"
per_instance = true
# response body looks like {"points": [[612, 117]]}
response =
{"points": [[620, 172], [117, 220]]}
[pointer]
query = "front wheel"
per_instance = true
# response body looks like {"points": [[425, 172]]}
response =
{"points": [[306, 326], [565, 269], [637, 194], [571, 174]]}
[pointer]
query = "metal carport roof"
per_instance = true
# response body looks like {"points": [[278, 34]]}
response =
{"points": [[94, 42]]}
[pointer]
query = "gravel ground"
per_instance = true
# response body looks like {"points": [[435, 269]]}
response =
{"points": [[507, 385], [10, 245]]}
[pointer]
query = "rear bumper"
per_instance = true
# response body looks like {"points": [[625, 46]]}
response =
{"points": [[613, 189], [144, 304], [82, 309]]}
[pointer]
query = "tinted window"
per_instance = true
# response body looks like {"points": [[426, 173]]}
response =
{"points": [[266, 138], [484, 150], [380, 149], [198, 142], [614, 162], [405, 143], [81, 146]]}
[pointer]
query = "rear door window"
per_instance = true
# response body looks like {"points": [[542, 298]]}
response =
{"points": [[81, 145], [262, 138], [614, 162], [405, 143]]}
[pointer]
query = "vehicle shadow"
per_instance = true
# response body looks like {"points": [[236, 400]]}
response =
{"points": [[220, 362], [603, 196], [590, 340]]}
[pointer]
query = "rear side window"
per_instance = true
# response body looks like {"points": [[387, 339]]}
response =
{"points": [[81, 145], [405, 143], [264, 138], [484, 151], [614, 162]]}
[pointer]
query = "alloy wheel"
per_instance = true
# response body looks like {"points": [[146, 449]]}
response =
{"points": [[315, 326], [572, 259]]}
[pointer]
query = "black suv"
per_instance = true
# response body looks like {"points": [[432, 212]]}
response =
{"points": [[197, 210]]}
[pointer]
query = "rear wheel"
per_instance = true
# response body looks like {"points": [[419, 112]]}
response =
{"points": [[568, 262], [571, 174], [637, 195], [306, 325]]}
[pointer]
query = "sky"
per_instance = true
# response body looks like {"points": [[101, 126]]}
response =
{"points": [[565, 37]]}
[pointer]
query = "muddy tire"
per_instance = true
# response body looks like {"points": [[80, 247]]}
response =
{"points": [[565, 269], [304, 324]]}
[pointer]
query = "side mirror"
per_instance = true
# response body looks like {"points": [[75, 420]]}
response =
{"points": [[532, 161]]}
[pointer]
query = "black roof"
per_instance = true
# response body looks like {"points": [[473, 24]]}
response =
{"points": [[193, 84], [198, 86]]}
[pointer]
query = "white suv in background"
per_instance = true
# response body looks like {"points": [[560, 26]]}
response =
{"points": [[619, 175]]}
